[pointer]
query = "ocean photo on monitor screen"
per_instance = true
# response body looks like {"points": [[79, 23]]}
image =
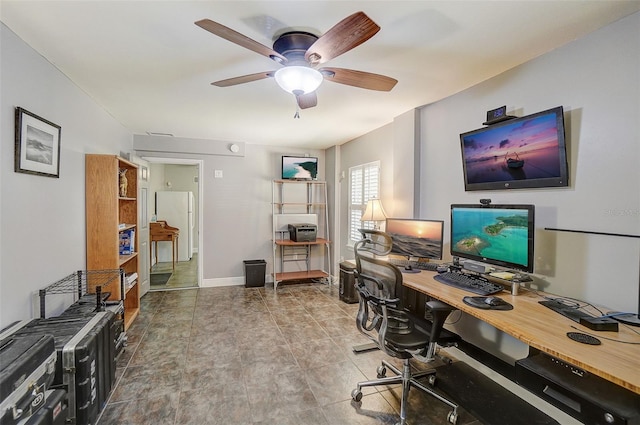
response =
{"points": [[499, 234], [299, 168], [411, 238]]}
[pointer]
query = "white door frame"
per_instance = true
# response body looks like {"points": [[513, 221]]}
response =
{"points": [[200, 164]]}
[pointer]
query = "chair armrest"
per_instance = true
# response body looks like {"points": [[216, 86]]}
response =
{"points": [[435, 305]]}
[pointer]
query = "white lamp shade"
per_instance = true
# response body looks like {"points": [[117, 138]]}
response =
{"points": [[374, 211], [296, 78]]}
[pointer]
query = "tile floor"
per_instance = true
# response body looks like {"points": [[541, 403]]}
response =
{"points": [[185, 274], [235, 355]]}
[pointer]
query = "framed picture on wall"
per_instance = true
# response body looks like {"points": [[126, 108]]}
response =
{"points": [[37, 149]]}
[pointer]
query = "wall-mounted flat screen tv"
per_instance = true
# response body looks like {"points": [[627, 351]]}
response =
{"points": [[299, 167], [526, 152]]}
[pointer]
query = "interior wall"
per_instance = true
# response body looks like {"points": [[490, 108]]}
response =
{"points": [[237, 206], [374, 146], [596, 80], [42, 219]]}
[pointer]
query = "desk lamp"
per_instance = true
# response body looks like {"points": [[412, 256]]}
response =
{"points": [[374, 212]]}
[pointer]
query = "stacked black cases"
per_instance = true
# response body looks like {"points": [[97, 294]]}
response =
{"points": [[86, 306], [84, 350], [27, 367]]}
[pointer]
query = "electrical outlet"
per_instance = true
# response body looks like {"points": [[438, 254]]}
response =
{"points": [[217, 174]]}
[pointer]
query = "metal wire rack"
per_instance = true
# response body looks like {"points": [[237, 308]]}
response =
{"points": [[81, 283]]}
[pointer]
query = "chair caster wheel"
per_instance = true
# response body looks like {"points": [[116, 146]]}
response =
{"points": [[382, 371], [452, 418], [432, 380], [356, 395]]}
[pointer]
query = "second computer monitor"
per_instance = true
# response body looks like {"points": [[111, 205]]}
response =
{"points": [[416, 238]]}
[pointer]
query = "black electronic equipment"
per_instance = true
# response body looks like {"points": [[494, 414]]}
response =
{"points": [[348, 293], [587, 397], [475, 284], [303, 232], [414, 264], [568, 311], [600, 323], [497, 115], [517, 153], [582, 317]]}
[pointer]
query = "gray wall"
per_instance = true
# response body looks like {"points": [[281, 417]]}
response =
{"points": [[42, 220], [596, 80], [237, 207]]}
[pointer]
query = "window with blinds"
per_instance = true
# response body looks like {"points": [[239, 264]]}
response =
{"points": [[364, 184]]}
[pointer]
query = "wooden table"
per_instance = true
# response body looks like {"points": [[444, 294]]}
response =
{"points": [[546, 330], [160, 231]]}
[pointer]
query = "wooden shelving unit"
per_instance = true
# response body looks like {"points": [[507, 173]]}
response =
{"points": [[295, 199], [107, 215]]}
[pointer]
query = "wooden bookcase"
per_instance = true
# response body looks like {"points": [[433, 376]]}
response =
{"points": [[107, 215]]}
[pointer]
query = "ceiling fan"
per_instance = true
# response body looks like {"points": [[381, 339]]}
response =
{"points": [[300, 53]]}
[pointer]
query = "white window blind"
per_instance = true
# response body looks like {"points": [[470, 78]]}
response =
{"points": [[364, 184]]}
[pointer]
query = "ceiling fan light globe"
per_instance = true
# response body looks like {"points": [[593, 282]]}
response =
{"points": [[298, 79]]}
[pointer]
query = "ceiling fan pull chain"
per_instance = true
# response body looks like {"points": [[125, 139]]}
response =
{"points": [[297, 114]]}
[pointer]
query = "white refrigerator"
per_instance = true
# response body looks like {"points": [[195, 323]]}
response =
{"points": [[176, 208]]}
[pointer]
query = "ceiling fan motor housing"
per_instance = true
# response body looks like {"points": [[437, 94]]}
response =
{"points": [[294, 44]]}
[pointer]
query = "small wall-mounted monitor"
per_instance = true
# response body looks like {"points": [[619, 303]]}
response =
{"points": [[416, 238], [299, 167], [519, 153]]}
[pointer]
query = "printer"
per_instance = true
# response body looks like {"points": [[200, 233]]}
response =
{"points": [[303, 232]]}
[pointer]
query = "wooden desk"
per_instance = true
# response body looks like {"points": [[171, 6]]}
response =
{"points": [[541, 328], [160, 231]]}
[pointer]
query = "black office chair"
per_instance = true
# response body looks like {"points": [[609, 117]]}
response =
{"points": [[383, 319]]}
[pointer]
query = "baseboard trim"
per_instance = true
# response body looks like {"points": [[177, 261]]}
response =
{"points": [[224, 281]]}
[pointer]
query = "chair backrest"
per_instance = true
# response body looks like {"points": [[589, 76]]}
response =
{"points": [[373, 242], [381, 313], [379, 285]]}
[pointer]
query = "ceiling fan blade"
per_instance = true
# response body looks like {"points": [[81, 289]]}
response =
{"points": [[351, 32], [364, 80], [243, 79], [240, 39], [308, 100]]}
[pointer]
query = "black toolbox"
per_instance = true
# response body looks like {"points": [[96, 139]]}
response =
{"points": [[27, 368], [85, 363]]}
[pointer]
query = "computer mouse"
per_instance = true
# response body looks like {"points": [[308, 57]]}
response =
{"points": [[408, 267], [494, 301]]}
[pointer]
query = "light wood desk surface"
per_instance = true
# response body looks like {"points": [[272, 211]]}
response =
{"points": [[546, 330]]}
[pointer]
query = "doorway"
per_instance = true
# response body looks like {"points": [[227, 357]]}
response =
{"points": [[171, 178]]}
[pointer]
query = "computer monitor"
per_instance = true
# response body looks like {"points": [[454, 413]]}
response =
{"points": [[500, 235], [416, 238]]}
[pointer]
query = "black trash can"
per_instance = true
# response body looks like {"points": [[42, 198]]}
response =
{"points": [[254, 273]]}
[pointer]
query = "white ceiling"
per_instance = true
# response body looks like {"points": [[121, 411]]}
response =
{"points": [[150, 67]]}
